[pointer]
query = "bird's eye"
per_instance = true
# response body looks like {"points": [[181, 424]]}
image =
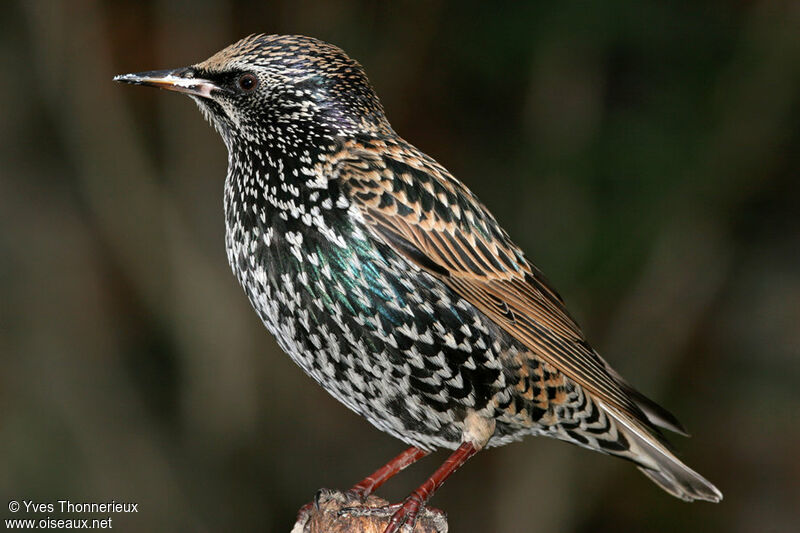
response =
{"points": [[248, 82]]}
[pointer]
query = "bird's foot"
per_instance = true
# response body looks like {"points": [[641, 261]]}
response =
{"points": [[406, 513], [401, 514], [338, 511], [380, 511]]}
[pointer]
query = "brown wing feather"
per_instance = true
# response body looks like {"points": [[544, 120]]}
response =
{"points": [[425, 214]]}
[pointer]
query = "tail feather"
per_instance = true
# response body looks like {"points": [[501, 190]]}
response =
{"points": [[656, 415], [657, 462]]}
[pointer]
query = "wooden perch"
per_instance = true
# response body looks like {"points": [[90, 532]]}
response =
{"points": [[335, 511]]}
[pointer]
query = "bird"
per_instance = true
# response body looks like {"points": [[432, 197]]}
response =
{"points": [[391, 285]]}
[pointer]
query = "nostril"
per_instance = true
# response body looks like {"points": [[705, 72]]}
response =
{"points": [[186, 73]]}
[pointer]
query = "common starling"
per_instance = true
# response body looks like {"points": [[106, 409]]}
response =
{"points": [[387, 281]]}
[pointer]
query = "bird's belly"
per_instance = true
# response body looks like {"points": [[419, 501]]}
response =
{"points": [[387, 340]]}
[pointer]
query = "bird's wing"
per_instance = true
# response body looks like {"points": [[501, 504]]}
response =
{"points": [[414, 205]]}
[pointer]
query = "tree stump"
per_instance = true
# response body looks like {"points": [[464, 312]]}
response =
{"points": [[334, 511]]}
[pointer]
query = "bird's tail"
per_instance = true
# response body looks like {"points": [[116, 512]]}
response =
{"points": [[658, 463]]}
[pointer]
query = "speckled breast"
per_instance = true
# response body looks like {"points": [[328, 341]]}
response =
{"points": [[387, 340]]}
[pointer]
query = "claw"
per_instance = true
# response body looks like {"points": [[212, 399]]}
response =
{"points": [[317, 496], [384, 510], [406, 514]]}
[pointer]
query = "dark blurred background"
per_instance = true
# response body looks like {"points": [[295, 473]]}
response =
{"points": [[644, 153]]}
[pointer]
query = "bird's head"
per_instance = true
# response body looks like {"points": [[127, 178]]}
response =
{"points": [[277, 88]]}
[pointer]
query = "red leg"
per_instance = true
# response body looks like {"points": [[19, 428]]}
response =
{"points": [[369, 484], [407, 513]]}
